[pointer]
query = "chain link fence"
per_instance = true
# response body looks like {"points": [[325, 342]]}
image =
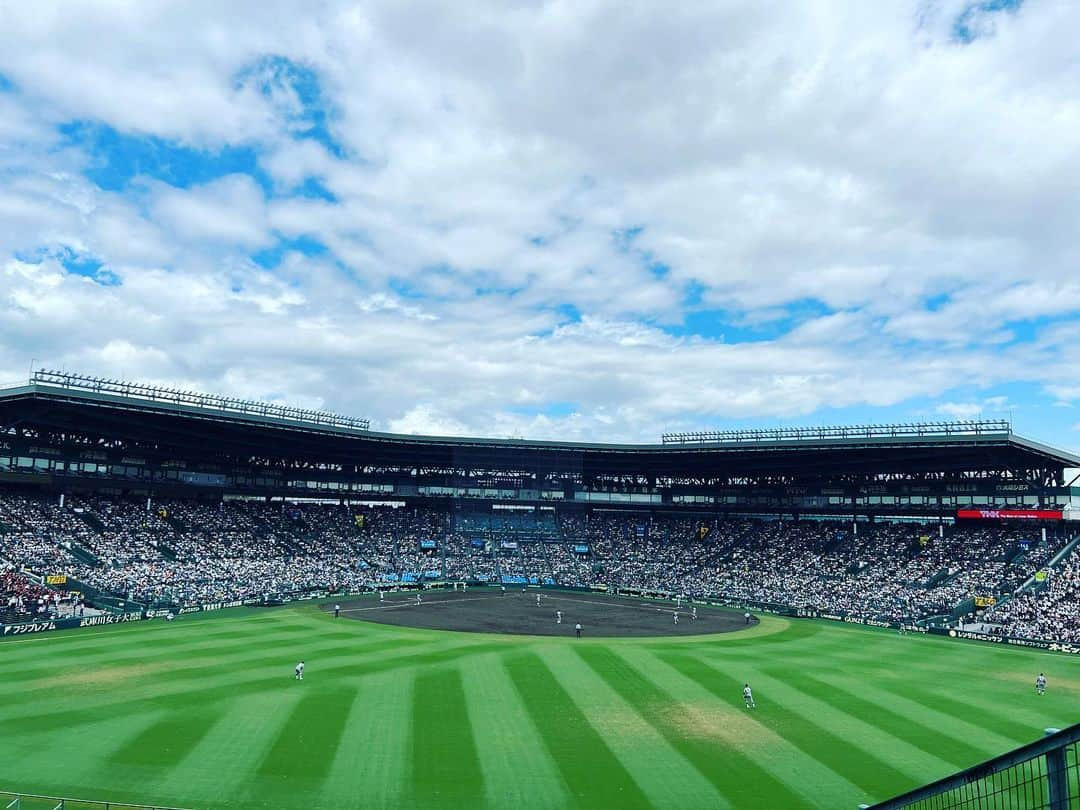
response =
{"points": [[1044, 775]]}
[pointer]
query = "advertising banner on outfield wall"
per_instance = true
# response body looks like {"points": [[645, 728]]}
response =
{"points": [[1052, 646], [45, 625], [807, 612], [813, 613], [23, 628]]}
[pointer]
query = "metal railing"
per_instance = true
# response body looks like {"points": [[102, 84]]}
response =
{"points": [[33, 801], [1043, 775], [968, 427], [172, 396]]}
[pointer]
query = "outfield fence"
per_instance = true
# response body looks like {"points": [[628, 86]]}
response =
{"points": [[32, 801], [1043, 775]]}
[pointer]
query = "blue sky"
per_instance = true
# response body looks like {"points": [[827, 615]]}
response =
{"points": [[511, 223]]}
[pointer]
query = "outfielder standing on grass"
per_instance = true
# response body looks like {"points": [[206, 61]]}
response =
{"points": [[748, 696], [337, 611], [299, 671], [1040, 685]]}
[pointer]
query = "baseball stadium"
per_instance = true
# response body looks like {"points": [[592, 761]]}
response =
{"points": [[211, 603]]}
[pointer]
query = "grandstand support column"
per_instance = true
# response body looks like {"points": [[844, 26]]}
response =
{"points": [[62, 498], [1057, 782]]}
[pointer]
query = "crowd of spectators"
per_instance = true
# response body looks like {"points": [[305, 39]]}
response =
{"points": [[468, 558], [181, 552], [39, 532], [24, 600], [888, 572], [1050, 610], [185, 552]]}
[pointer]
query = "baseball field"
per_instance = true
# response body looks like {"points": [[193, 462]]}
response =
{"points": [[205, 712]]}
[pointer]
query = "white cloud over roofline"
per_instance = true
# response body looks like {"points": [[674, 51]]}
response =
{"points": [[916, 189]]}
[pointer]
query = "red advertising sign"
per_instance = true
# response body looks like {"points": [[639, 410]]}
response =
{"points": [[1010, 514]]}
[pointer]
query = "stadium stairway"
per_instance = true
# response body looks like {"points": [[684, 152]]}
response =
{"points": [[177, 524], [939, 578], [90, 519], [1031, 583], [1014, 553], [83, 554]]}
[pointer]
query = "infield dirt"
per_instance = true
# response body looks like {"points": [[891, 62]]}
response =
{"points": [[487, 610]]}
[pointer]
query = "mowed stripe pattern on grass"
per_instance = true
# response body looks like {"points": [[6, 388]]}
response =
{"points": [[205, 713]]}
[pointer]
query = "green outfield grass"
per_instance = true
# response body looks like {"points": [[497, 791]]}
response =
{"points": [[205, 713]]}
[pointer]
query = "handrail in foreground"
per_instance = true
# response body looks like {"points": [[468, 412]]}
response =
{"points": [[62, 800], [1054, 743]]}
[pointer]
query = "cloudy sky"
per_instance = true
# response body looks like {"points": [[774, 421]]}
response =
{"points": [[567, 219]]}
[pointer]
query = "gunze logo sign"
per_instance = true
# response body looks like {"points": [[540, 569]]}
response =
{"points": [[867, 622], [216, 606]]}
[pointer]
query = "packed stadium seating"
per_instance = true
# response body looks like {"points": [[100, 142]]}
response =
{"points": [[1051, 612], [185, 552], [23, 600]]}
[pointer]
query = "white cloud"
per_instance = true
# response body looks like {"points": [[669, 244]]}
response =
{"points": [[230, 212], [960, 410], [771, 154], [427, 420]]}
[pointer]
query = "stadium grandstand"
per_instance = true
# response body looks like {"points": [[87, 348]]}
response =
{"points": [[162, 499], [821, 551]]}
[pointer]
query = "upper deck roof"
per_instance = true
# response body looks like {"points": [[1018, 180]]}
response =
{"points": [[184, 424]]}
